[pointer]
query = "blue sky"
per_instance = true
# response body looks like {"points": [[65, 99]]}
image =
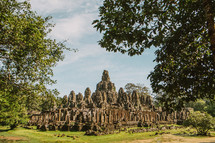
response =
{"points": [[84, 68]]}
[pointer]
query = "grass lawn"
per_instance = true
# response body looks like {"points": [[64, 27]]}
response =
{"points": [[22, 135]]}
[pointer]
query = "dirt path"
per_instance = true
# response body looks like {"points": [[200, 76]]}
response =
{"points": [[12, 138], [176, 139]]}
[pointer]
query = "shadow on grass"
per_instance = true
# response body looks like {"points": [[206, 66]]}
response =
{"points": [[193, 135], [4, 130]]}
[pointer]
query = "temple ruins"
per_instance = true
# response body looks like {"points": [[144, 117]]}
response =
{"points": [[104, 109]]}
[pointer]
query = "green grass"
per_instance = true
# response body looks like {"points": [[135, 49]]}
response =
{"points": [[35, 136]]}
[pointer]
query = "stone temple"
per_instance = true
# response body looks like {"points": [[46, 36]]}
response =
{"points": [[104, 109]]}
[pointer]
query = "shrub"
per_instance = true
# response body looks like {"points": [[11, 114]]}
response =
{"points": [[201, 121]]}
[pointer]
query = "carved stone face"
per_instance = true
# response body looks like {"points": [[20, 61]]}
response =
{"points": [[72, 96], [121, 91], [111, 86], [110, 98], [79, 97], [135, 95], [87, 93], [125, 97], [98, 97], [105, 76], [65, 99], [135, 98], [105, 85]]}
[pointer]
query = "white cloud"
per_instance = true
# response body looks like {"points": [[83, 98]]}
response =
{"points": [[84, 52], [54, 6], [50, 6], [73, 28], [73, 18]]}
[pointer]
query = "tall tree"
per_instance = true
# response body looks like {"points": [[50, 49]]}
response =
{"points": [[183, 32], [26, 58]]}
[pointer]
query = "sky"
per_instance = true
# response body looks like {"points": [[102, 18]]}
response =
{"points": [[82, 69]]}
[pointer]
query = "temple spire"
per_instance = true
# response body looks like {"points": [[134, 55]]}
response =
{"points": [[105, 76]]}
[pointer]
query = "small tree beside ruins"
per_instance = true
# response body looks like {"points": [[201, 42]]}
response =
{"points": [[201, 121]]}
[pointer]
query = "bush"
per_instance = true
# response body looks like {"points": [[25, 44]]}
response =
{"points": [[201, 121]]}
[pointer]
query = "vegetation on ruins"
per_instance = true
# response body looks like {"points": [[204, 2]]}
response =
{"points": [[203, 106], [27, 57], [182, 31], [140, 88], [201, 121]]}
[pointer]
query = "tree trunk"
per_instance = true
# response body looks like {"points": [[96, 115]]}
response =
{"points": [[210, 24]]}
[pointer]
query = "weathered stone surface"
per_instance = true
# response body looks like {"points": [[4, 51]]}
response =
{"points": [[72, 99], [65, 101], [87, 97], [104, 111]]}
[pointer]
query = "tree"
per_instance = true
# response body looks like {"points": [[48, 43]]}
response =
{"points": [[201, 121], [49, 101], [203, 106], [140, 88], [199, 105], [27, 57], [183, 33], [12, 107]]}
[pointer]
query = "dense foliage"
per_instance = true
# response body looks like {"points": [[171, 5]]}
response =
{"points": [[26, 59], [203, 106], [183, 32], [201, 121]]}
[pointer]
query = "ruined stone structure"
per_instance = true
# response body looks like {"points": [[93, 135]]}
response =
{"points": [[104, 109]]}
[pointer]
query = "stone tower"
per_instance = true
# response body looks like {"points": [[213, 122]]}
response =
{"points": [[107, 89]]}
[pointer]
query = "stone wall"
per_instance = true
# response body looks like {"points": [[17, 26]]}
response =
{"points": [[105, 108]]}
